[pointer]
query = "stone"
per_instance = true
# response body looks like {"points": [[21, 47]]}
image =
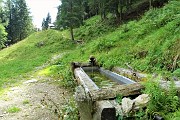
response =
{"points": [[141, 101], [31, 81], [127, 105]]}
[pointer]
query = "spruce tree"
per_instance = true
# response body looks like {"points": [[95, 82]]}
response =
{"points": [[20, 22], [70, 15], [3, 33], [46, 21]]}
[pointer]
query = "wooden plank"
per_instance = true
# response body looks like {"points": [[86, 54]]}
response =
{"points": [[124, 90]]}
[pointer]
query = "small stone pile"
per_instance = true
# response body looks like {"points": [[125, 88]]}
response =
{"points": [[138, 103]]}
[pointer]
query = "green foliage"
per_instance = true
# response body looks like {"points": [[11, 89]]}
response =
{"points": [[148, 45], [46, 22], [177, 72], [20, 22], [13, 109], [119, 98], [3, 35], [160, 99], [26, 102], [145, 46], [140, 115], [69, 15], [70, 111], [93, 28], [20, 59], [67, 79], [173, 116]]}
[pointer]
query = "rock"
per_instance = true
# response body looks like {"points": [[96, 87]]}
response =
{"points": [[141, 101], [31, 81], [14, 88], [166, 85], [127, 105]]}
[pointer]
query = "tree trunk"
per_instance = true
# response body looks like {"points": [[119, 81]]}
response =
{"points": [[72, 33], [150, 4]]}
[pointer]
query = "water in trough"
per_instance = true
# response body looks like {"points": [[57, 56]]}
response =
{"points": [[100, 80]]}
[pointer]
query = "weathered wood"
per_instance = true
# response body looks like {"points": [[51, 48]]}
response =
{"points": [[130, 73], [85, 109], [175, 61], [91, 69], [84, 103], [104, 111], [125, 90], [84, 100], [84, 80]]}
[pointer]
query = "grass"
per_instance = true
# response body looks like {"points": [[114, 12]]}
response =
{"points": [[26, 102], [20, 59], [13, 109], [149, 45]]}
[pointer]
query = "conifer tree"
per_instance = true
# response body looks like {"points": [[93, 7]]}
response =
{"points": [[3, 33], [20, 23], [70, 15], [46, 21]]}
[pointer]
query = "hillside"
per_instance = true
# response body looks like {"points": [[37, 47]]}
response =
{"points": [[17, 60], [150, 45]]}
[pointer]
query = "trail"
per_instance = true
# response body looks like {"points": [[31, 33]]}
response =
{"points": [[38, 98], [35, 99]]}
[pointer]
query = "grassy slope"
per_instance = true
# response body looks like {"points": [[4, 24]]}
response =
{"points": [[149, 45], [21, 58]]}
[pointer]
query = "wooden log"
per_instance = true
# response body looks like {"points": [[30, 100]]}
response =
{"points": [[104, 111], [84, 80], [110, 93]]}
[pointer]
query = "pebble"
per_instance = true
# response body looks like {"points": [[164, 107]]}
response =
{"points": [[31, 81]]}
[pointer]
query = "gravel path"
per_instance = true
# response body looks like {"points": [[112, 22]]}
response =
{"points": [[36, 99]]}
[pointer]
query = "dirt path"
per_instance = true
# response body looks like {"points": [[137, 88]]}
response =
{"points": [[35, 99]]}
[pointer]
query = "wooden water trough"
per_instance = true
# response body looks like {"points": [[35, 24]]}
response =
{"points": [[95, 103]]}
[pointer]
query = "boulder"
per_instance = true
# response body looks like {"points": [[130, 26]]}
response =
{"points": [[141, 101], [127, 105]]}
